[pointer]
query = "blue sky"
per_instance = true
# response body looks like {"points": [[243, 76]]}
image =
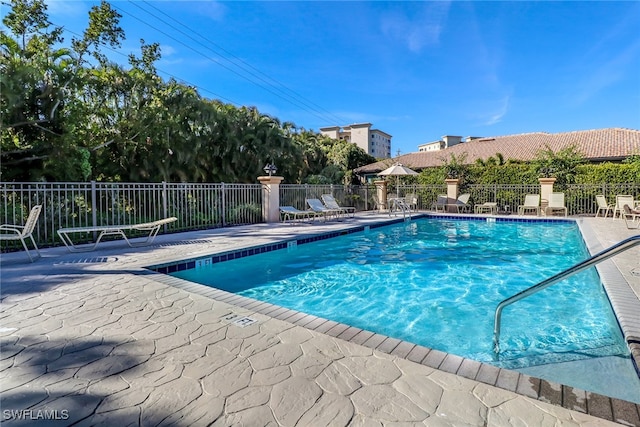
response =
{"points": [[416, 70]]}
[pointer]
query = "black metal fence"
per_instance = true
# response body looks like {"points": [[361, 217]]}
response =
{"points": [[197, 206], [202, 206]]}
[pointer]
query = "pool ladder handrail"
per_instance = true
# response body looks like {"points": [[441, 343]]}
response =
{"points": [[595, 259], [400, 204]]}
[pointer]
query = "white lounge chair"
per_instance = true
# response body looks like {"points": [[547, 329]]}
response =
{"points": [[621, 200], [631, 217], [289, 213], [19, 232], [318, 207], [330, 202], [531, 203], [440, 203], [411, 200], [556, 203], [603, 205], [109, 230], [462, 203]]}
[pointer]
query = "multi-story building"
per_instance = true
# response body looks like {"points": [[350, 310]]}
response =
{"points": [[374, 141], [446, 142]]}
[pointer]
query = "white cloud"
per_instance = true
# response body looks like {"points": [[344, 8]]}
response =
{"points": [[493, 111], [497, 116], [420, 30], [213, 9]]}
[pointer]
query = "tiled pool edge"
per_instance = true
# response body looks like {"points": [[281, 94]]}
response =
{"points": [[185, 264], [557, 394], [623, 300]]}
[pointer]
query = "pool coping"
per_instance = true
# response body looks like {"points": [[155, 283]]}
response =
{"points": [[617, 289]]}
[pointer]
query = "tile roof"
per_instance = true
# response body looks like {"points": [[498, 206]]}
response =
{"points": [[595, 145]]}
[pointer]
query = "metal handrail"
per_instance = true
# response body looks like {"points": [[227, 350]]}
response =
{"points": [[597, 258], [399, 204]]}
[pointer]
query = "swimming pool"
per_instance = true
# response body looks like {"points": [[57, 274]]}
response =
{"points": [[436, 282]]}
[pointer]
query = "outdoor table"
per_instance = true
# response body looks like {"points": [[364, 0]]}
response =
{"points": [[490, 208]]}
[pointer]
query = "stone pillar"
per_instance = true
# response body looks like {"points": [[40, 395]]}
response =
{"points": [[381, 193], [546, 188], [452, 193], [270, 197]]}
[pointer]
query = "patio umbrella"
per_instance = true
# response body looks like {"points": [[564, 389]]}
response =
{"points": [[398, 170]]}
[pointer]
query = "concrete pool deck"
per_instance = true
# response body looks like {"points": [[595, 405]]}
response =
{"points": [[96, 339]]}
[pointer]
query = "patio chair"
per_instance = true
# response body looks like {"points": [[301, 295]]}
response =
{"points": [[411, 200], [621, 200], [462, 203], [531, 202], [19, 232], [319, 208], [631, 217], [330, 202], [603, 205], [289, 214], [556, 203], [440, 203]]}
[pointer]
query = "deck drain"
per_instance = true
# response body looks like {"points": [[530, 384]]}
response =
{"points": [[635, 272], [91, 260], [238, 320], [185, 242]]}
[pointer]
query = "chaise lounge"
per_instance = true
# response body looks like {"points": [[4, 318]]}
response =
{"points": [[289, 214], [531, 203], [631, 217], [109, 230], [556, 204], [319, 208], [603, 205], [462, 203], [440, 203], [330, 202]]}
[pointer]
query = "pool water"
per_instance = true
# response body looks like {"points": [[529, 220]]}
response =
{"points": [[436, 282]]}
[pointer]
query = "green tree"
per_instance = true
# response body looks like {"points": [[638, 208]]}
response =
{"points": [[71, 114], [37, 93], [560, 165], [455, 166]]}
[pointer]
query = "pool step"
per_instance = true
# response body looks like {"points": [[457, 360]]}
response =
{"points": [[518, 359]]}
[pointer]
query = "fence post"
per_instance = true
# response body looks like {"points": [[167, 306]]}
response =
{"points": [[270, 198], [546, 188], [366, 197], [452, 193], [94, 208], [223, 204], [381, 192], [165, 209]]}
